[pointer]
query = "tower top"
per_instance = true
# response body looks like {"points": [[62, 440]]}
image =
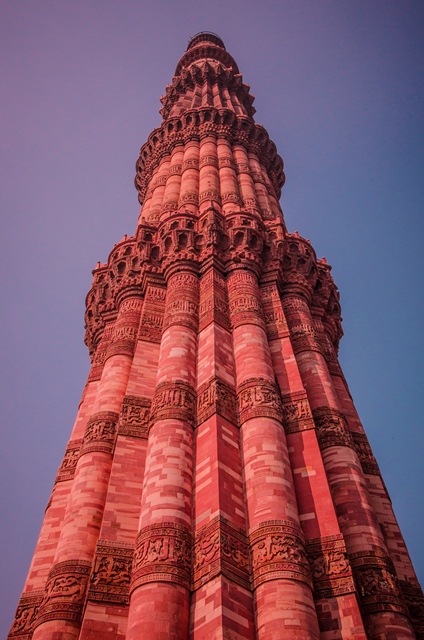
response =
{"points": [[205, 36]]}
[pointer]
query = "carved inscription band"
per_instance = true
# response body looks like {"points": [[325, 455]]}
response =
{"points": [[162, 553], [65, 592], [297, 415], [26, 615], [331, 571], [69, 462], [134, 417], [100, 433], [332, 429], [258, 398], [216, 396], [174, 400], [110, 578]]}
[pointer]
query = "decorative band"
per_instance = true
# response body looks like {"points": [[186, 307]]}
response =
{"points": [[377, 583], [220, 548], [162, 554], [258, 398], [297, 415], [67, 468], [365, 454], [100, 433], [111, 574], [134, 417], [330, 568], [278, 552], [26, 614], [414, 598], [216, 396], [174, 400], [65, 591], [332, 429]]}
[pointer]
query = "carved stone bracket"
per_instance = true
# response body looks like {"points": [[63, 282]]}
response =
{"points": [[278, 552], [331, 571], [332, 429], [377, 583], [216, 396], [162, 553], [65, 591], [414, 598], [297, 415], [69, 462], [365, 454], [221, 548], [174, 400], [100, 433], [134, 417], [111, 574], [26, 614], [258, 398]]}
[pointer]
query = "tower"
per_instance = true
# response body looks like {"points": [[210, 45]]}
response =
{"points": [[217, 482]]}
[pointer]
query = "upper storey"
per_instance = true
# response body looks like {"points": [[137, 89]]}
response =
{"points": [[207, 76], [207, 97]]}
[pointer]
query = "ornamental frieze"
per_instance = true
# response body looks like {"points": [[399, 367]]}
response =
{"points": [[365, 454], [414, 598], [111, 573], [69, 462], [216, 396], [220, 548], [278, 552], [296, 412], [330, 568], [134, 417], [162, 553], [65, 591], [100, 433], [26, 615], [332, 429], [258, 398], [377, 583], [174, 400]]}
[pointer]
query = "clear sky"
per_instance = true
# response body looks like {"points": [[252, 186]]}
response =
{"points": [[339, 86]]}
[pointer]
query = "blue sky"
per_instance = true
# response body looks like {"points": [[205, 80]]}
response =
{"points": [[339, 87]]}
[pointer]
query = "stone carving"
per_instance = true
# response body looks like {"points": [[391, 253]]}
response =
{"points": [[330, 568], [26, 615], [258, 398], [365, 454], [377, 584], [134, 417], [69, 462], [100, 433], [174, 400], [162, 552], [216, 396], [221, 548], [65, 591], [332, 429], [152, 315], [296, 413], [414, 598], [110, 577], [278, 551], [276, 324]]}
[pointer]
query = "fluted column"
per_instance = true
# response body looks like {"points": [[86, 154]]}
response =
{"points": [[189, 193], [230, 193], [209, 193], [60, 612], [383, 609], [281, 577], [159, 604]]}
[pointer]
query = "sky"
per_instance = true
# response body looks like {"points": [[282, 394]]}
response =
{"points": [[339, 88]]}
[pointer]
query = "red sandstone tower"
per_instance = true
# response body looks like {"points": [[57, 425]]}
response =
{"points": [[218, 482]]}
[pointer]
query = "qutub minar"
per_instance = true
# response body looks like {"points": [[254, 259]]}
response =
{"points": [[218, 482]]}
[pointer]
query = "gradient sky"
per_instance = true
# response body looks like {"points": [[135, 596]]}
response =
{"points": [[339, 86]]}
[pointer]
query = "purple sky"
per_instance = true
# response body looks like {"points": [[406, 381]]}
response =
{"points": [[339, 86]]}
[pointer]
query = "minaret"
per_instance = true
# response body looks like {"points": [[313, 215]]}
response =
{"points": [[218, 482]]}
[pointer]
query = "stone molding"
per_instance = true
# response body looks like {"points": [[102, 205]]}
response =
{"points": [[278, 552], [151, 324], [65, 591], [220, 548], [111, 573], [258, 398], [162, 554], [216, 396], [100, 433], [26, 614], [377, 583], [365, 454], [332, 429], [174, 400], [296, 412], [67, 468], [330, 567], [134, 417]]}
